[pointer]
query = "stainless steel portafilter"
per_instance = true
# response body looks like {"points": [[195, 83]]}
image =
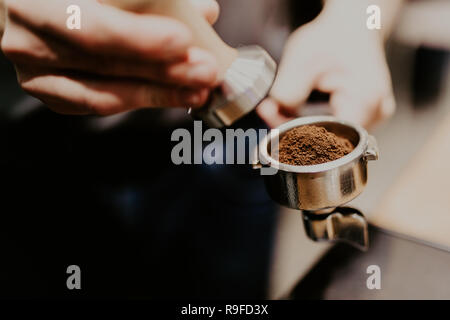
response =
{"points": [[320, 190]]}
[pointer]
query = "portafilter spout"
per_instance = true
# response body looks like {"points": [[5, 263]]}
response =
{"points": [[341, 224]]}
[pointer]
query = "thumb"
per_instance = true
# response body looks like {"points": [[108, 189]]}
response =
{"points": [[268, 111], [294, 82]]}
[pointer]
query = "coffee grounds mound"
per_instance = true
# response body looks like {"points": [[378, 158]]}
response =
{"points": [[309, 145]]}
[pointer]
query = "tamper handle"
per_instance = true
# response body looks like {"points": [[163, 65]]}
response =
{"points": [[183, 10]]}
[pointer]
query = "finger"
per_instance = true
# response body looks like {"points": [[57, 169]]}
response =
{"points": [[23, 46], [105, 29], [331, 81], [295, 80], [199, 69], [209, 9], [383, 111], [388, 106], [72, 95], [268, 110], [345, 107], [366, 104], [353, 108]]}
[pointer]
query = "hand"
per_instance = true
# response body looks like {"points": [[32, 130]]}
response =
{"points": [[118, 60], [339, 56]]}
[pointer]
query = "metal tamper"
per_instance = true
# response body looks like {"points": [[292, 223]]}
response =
{"points": [[246, 74]]}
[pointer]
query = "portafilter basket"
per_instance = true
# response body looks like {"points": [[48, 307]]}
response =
{"points": [[320, 190]]}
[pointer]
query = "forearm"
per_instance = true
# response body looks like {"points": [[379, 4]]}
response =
{"points": [[355, 11]]}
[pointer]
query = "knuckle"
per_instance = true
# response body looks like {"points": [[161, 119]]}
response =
{"points": [[14, 51], [176, 38], [86, 40], [20, 44], [13, 6], [96, 34], [6, 46], [14, 45], [9, 42]]}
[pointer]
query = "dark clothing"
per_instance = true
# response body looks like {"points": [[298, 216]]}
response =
{"points": [[113, 203]]}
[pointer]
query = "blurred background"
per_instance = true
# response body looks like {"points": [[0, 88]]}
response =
{"points": [[65, 200], [406, 199]]}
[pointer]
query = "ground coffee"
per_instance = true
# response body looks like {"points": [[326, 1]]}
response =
{"points": [[308, 145]]}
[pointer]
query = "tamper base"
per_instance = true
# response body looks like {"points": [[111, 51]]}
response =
{"points": [[246, 83]]}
